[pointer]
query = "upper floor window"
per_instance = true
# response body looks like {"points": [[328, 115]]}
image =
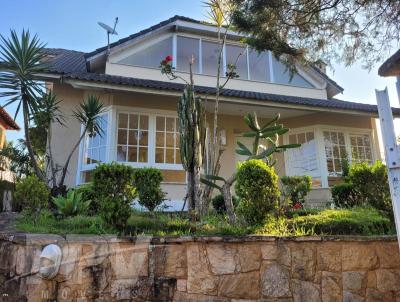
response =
{"points": [[250, 64]]}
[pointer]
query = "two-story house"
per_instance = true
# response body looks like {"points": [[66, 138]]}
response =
{"points": [[140, 120]]}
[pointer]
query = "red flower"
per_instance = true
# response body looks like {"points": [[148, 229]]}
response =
{"points": [[297, 206], [168, 58], [163, 62]]}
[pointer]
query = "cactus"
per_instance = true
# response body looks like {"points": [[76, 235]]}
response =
{"points": [[192, 129]]}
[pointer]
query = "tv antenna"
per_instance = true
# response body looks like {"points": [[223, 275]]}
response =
{"points": [[110, 31]]}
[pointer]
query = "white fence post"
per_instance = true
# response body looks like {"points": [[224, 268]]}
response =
{"points": [[392, 154]]}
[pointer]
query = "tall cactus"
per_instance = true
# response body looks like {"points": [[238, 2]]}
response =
{"points": [[192, 129]]}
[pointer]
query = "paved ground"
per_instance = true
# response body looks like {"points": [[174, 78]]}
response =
{"points": [[7, 221]]}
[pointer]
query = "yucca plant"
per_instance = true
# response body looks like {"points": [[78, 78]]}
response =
{"points": [[71, 205], [20, 61]]}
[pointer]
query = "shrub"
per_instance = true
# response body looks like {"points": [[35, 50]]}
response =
{"points": [[296, 188], [345, 196], [88, 194], [72, 204], [32, 194], [147, 182], [371, 183], [218, 203], [356, 221], [257, 188], [112, 184]]}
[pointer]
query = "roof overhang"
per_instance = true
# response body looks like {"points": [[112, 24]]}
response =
{"points": [[391, 67]]}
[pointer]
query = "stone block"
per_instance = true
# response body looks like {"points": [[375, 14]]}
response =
{"points": [[275, 281], [200, 278], [186, 297], [354, 281], [240, 286], [129, 261], [249, 257], [223, 258], [305, 291], [269, 251], [329, 257], [358, 256], [373, 295], [303, 263], [284, 256], [371, 279], [181, 285], [350, 297], [388, 280], [388, 255], [331, 287], [170, 261]]}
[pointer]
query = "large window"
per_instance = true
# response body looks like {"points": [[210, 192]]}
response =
{"points": [[188, 48], [361, 148], [282, 75], [210, 53], [96, 145], [150, 56], [237, 55], [133, 138], [259, 66], [167, 140]]}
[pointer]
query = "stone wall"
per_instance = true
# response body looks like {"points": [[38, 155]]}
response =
{"points": [[202, 269]]}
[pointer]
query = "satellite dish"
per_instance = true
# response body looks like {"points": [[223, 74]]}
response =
{"points": [[110, 31]]}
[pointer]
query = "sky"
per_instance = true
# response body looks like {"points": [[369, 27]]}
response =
{"points": [[73, 25]]}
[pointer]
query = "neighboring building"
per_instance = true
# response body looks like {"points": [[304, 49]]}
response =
{"points": [[391, 68], [141, 120]]}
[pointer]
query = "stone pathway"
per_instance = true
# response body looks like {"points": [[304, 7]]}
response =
{"points": [[7, 221]]}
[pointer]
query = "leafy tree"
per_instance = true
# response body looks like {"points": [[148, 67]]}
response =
{"points": [[304, 30], [20, 60]]}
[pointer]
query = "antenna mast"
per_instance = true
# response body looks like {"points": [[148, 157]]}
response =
{"points": [[109, 30]]}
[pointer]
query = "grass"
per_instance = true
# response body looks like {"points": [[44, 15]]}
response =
{"points": [[356, 221]]}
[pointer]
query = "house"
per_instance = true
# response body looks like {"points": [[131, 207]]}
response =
{"points": [[6, 123], [141, 121]]}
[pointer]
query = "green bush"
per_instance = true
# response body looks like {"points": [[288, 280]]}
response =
{"points": [[88, 194], [72, 204], [355, 221], [112, 184], [32, 194], [147, 182], [371, 183], [344, 195], [218, 203], [257, 188], [296, 188]]}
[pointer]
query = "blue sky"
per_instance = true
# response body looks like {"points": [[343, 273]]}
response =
{"points": [[72, 24]]}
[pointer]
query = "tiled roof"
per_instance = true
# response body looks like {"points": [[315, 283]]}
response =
{"points": [[7, 120], [391, 67], [71, 65]]}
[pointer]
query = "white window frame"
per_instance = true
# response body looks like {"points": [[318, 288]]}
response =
{"points": [[321, 155]]}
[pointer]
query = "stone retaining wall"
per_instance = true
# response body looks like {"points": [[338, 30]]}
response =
{"points": [[202, 269]]}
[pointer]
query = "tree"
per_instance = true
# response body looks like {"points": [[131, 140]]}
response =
{"points": [[20, 61], [307, 30], [265, 144]]}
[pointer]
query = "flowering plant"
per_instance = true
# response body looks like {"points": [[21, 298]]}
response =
{"points": [[297, 206]]}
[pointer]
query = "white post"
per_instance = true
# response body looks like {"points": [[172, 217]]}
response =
{"points": [[392, 154]]}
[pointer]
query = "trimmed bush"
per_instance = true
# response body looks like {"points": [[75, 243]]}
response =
{"points": [[218, 203], [32, 194], [257, 188], [88, 194], [345, 196], [296, 188], [148, 186], [112, 184], [356, 221], [371, 183]]}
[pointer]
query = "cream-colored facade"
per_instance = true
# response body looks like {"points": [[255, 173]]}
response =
{"points": [[326, 133]]}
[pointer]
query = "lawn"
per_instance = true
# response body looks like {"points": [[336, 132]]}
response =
{"points": [[356, 221]]}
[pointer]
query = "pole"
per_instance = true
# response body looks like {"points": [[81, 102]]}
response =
{"points": [[392, 154]]}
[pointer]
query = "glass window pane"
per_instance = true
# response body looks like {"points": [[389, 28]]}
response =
{"points": [[341, 138], [178, 156], [102, 154], [186, 49], [133, 121], [177, 138], [133, 134], [366, 140], [132, 154], [210, 53], [150, 56], [121, 153], [160, 139], [159, 155], [236, 55], [143, 154], [144, 122], [170, 123], [292, 139], [259, 66], [143, 138], [329, 163], [282, 75], [160, 123], [122, 120], [170, 140], [338, 165], [169, 156], [310, 136], [122, 136], [301, 138]]}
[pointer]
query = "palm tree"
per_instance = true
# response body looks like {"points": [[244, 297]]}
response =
{"points": [[20, 60]]}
